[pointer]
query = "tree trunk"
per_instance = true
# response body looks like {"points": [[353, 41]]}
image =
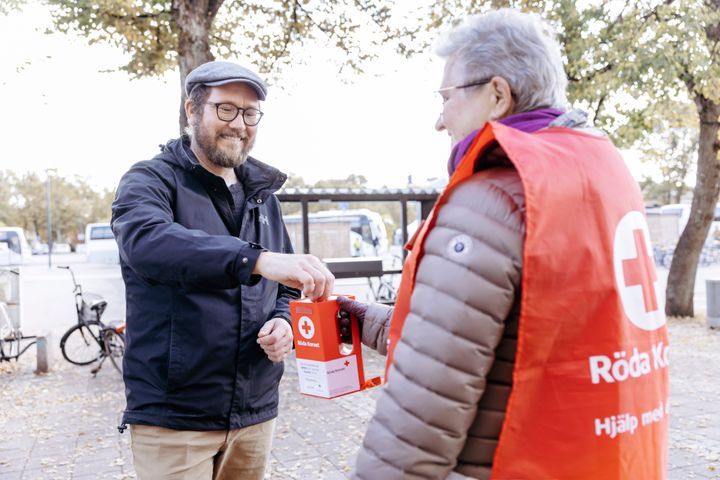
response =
{"points": [[681, 278], [193, 19]]}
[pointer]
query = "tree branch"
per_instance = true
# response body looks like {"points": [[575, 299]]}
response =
{"points": [[330, 34], [600, 104], [593, 74], [213, 8], [288, 34], [140, 16]]}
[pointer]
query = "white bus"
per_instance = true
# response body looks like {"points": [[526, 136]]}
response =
{"points": [[340, 233], [100, 244]]}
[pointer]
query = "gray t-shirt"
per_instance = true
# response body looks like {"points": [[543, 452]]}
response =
{"points": [[238, 194]]}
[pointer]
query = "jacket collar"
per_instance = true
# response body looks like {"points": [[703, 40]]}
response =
{"points": [[258, 178]]}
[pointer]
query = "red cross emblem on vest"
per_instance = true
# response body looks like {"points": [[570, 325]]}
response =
{"points": [[635, 277]]}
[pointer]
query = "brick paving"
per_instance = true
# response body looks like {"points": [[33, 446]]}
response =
{"points": [[694, 400], [62, 425]]}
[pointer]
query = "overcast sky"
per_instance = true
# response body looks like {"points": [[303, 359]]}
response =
{"points": [[67, 107]]}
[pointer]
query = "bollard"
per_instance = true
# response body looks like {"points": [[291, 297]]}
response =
{"points": [[43, 347], [712, 294]]}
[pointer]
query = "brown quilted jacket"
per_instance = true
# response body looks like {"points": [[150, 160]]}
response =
{"points": [[444, 406]]}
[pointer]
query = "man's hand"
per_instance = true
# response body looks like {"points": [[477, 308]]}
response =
{"points": [[304, 272], [276, 339]]}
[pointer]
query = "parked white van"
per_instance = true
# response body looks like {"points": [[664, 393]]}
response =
{"points": [[14, 247], [100, 244]]}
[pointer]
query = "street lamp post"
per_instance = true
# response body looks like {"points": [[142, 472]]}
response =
{"points": [[48, 195]]}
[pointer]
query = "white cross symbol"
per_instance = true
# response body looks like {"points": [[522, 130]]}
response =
{"points": [[635, 276]]}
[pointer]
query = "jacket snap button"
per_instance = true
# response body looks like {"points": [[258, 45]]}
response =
{"points": [[244, 260], [259, 200]]}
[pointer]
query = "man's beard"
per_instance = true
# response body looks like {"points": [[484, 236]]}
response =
{"points": [[227, 157]]}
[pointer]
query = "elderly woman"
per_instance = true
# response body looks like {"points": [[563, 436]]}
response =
{"points": [[525, 290]]}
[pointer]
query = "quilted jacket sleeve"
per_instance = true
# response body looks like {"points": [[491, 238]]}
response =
{"points": [[465, 287], [376, 327]]}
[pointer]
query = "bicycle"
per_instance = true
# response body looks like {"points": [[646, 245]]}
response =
{"points": [[91, 340], [663, 256], [386, 291], [11, 338]]}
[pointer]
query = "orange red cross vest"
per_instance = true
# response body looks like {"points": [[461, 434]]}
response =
{"points": [[590, 386]]}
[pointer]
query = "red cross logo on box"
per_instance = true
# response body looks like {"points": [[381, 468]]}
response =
{"points": [[307, 328], [635, 275]]}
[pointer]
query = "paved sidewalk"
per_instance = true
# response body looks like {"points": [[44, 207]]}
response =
{"points": [[694, 400], [62, 425]]}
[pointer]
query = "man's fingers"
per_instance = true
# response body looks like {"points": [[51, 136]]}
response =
{"points": [[325, 280], [279, 348], [276, 348], [265, 330], [279, 332], [274, 340], [307, 282], [318, 281], [329, 286], [306, 272], [271, 338]]}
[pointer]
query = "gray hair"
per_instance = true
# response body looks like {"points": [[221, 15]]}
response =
{"points": [[516, 46]]}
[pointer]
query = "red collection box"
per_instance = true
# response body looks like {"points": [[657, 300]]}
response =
{"points": [[327, 368]]}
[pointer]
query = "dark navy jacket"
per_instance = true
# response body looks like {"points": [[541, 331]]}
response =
{"points": [[193, 306]]}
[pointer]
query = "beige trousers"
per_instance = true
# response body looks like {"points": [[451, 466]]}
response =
{"points": [[162, 453]]}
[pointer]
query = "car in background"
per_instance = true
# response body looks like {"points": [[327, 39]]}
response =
{"points": [[14, 247], [61, 248], [39, 248], [100, 244]]}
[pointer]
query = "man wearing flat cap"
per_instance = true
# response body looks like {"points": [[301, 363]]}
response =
{"points": [[209, 272]]}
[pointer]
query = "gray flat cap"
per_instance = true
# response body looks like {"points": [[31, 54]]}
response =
{"points": [[218, 73]]}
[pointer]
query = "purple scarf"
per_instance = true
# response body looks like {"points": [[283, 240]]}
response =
{"points": [[525, 121]]}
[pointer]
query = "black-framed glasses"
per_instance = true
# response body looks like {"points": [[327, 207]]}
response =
{"points": [[227, 112]]}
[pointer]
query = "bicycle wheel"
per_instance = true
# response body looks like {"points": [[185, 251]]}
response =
{"points": [[115, 348], [667, 260], [81, 344], [386, 293]]}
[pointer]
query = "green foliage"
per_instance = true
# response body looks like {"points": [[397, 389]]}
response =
{"points": [[144, 29], [263, 31], [672, 153], [352, 181], [7, 6], [628, 63], [74, 204]]}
